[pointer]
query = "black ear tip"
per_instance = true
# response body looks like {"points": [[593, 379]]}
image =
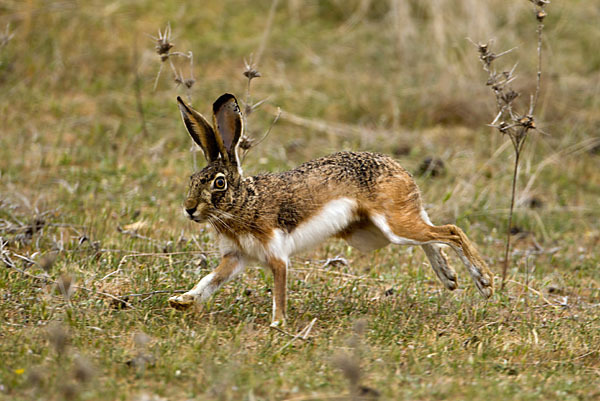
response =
{"points": [[224, 98], [182, 105]]}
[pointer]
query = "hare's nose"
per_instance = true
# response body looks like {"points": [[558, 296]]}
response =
{"points": [[190, 206]]}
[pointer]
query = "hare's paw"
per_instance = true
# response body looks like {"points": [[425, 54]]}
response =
{"points": [[485, 284], [182, 302], [484, 281], [278, 324]]}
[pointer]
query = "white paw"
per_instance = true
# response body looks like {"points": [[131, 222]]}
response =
{"points": [[278, 324], [182, 302]]}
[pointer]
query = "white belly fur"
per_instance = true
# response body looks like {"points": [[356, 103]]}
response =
{"points": [[334, 217], [367, 239]]}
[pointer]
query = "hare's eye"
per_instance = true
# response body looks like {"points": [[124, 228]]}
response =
{"points": [[219, 183]]}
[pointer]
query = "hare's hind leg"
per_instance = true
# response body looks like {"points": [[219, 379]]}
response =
{"points": [[458, 240], [413, 228], [438, 259], [231, 265], [413, 231], [440, 265]]}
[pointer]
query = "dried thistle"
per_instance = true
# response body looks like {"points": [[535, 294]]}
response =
{"points": [[141, 340], [142, 358], [250, 70], [82, 369], [65, 286], [350, 367], [47, 261], [163, 48], [58, 337], [163, 42], [508, 121], [349, 364], [35, 377], [69, 390]]}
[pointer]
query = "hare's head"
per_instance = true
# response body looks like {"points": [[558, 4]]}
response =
{"points": [[212, 189]]}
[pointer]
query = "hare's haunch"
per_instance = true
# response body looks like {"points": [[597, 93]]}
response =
{"points": [[366, 198]]}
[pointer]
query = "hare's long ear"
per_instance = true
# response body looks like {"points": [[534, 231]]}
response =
{"points": [[228, 124], [200, 130]]}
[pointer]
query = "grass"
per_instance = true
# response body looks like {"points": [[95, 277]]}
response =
{"points": [[77, 170]]}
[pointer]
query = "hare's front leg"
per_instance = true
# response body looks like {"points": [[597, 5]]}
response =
{"points": [[279, 269], [231, 265]]}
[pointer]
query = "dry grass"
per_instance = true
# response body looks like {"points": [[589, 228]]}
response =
{"points": [[92, 230]]}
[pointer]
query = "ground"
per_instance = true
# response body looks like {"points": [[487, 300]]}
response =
{"points": [[94, 162]]}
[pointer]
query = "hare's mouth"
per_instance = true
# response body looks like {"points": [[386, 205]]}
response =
{"points": [[196, 214], [197, 217]]}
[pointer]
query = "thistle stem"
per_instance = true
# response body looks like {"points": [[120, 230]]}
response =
{"points": [[510, 215]]}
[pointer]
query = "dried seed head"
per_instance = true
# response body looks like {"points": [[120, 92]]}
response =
{"points": [[47, 261], [189, 83], [250, 71], [246, 142], [65, 286], [58, 337], [163, 43], [69, 391], [35, 378], [82, 369], [349, 366], [359, 327], [527, 122], [540, 15], [510, 96], [141, 339], [163, 48], [503, 127]]}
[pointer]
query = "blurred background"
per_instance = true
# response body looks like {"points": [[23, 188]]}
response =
{"points": [[94, 159], [87, 124]]}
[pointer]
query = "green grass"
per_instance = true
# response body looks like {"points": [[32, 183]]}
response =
{"points": [[73, 155]]}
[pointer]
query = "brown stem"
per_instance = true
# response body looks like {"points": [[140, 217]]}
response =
{"points": [[534, 102], [510, 215], [137, 86]]}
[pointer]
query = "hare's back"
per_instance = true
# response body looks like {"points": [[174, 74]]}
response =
{"points": [[363, 168]]}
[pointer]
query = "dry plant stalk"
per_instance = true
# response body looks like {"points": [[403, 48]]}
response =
{"points": [[508, 120], [6, 36], [163, 49], [251, 72], [350, 365], [246, 142]]}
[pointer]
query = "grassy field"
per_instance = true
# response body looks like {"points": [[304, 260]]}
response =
{"points": [[94, 163]]}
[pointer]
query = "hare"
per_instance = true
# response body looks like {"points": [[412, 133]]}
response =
{"points": [[368, 199]]}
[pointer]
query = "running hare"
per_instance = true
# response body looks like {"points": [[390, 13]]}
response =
{"points": [[366, 198]]}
